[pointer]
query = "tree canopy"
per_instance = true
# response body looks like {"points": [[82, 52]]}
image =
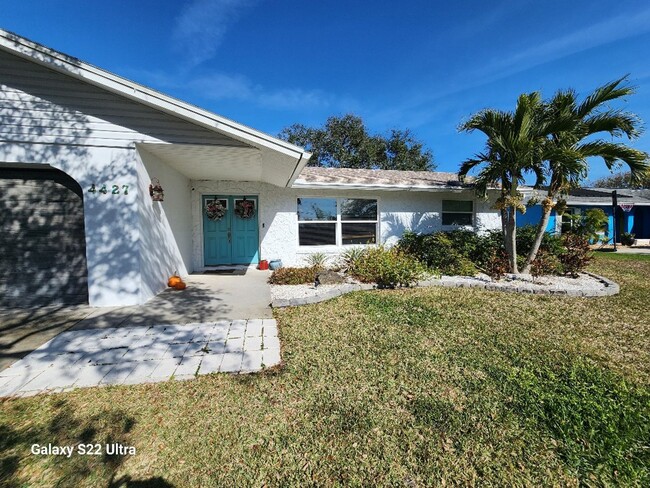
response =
{"points": [[622, 180], [345, 142]]}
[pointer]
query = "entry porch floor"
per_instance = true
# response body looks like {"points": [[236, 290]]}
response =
{"points": [[208, 298]]}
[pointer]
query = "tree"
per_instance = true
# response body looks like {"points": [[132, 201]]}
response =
{"points": [[573, 141], [622, 180], [344, 142], [514, 147]]}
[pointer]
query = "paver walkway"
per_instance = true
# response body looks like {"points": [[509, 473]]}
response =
{"points": [[142, 354]]}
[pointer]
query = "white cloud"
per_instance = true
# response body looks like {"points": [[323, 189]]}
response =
{"points": [[221, 86], [201, 26]]}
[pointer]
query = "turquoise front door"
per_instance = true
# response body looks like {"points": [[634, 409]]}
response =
{"points": [[234, 238]]}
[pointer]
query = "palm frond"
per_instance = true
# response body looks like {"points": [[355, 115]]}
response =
{"points": [[610, 91], [611, 152], [616, 122]]}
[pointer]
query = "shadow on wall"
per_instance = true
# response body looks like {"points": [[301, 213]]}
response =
{"points": [[395, 224], [42, 239], [50, 119]]}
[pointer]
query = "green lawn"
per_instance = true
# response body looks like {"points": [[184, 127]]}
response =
{"points": [[406, 388]]}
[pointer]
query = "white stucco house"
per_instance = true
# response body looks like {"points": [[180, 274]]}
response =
{"points": [[80, 148]]}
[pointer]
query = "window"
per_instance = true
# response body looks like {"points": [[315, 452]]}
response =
{"points": [[569, 219], [457, 212], [317, 221], [331, 221]]}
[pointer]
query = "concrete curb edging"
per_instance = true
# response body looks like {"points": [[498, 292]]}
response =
{"points": [[326, 295], [610, 288]]}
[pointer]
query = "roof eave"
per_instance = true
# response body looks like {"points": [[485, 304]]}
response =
{"points": [[88, 73]]}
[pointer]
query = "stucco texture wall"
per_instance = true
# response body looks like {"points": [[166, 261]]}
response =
{"points": [[165, 227], [278, 222]]}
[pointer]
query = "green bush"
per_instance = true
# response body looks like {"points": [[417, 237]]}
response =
{"points": [[577, 253], [592, 223], [551, 243], [627, 239], [497, 264], [294, 276], [487, 246], [317, 260], [546, 264], [349, 258], [389, 268], [438, 252]]}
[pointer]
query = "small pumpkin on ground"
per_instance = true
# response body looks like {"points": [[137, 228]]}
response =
{"points": [[174, 280]]}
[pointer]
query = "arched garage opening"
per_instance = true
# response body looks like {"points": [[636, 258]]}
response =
{"points": [[42, 238]]}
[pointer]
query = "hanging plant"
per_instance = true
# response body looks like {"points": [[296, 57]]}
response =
{"points": [[245, 209], [215, 210]]}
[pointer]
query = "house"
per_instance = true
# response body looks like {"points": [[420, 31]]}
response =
{"points": [[631, 213], [84, 154]]}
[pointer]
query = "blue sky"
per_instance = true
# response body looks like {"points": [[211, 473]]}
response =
{"points": [[422, 65]]}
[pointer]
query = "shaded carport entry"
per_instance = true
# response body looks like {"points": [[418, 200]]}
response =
{"points": [[42, 238]]}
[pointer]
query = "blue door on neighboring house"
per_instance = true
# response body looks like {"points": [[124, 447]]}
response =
{"points": [[234, 238]]}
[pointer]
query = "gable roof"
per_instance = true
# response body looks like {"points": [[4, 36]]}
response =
{"points": [[317, 177], [93, 75]]}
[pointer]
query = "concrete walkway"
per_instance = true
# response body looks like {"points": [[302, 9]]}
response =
{"points": [[243, 294], [142, 354]]}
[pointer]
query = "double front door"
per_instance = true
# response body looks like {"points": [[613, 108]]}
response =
{"points": [[230, 234]]}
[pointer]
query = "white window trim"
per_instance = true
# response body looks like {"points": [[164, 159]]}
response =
{"points": [[338, 223], [457, 226]]}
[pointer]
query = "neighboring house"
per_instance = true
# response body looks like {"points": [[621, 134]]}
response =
{"points": [[632, 212], [80, 147]]}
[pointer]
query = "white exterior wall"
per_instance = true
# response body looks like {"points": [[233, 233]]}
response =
{"points": [[278, 221], [132, 244], [165, 227]]}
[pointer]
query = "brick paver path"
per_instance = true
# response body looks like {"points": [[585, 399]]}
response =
{"points": [[130, 355]]}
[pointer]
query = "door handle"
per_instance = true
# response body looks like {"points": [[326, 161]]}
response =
{"points": [[229, 236]]}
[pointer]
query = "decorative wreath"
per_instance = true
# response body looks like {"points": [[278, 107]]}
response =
{"points": [[215, 210], [245, 209]]}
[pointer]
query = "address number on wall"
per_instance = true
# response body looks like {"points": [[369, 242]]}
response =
{"points": [[115, 189]]}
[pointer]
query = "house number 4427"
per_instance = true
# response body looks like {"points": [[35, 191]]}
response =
{"points": [[115, 189]]}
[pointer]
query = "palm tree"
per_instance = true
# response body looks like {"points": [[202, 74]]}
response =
{"points": [[514, 147], [567, 149]]}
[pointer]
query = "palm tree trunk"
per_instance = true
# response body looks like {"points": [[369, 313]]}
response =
{"points": [[511, 248], [539, 236]]}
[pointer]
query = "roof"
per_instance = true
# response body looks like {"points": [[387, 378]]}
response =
{"points": [[317, 177], [603, 196], [93, 75]]}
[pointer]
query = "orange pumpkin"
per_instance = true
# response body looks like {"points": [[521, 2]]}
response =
{"points": [[180, 285], [174, 280]]}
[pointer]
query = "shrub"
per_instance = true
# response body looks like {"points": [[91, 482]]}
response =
{"points": [[487, 245], [349, 259], [551, 243], [438, 252], [576, 255], [497, 264], [546, 264], [592, 223], [293, 276], [388, 268], [317, 260], [627, 239]]}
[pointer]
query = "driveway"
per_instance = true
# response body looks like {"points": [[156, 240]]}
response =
{"points": [[208, 298]]}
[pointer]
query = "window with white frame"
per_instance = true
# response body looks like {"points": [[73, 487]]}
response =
{"points": [[332, 221], [569, 219], [457, 212]]}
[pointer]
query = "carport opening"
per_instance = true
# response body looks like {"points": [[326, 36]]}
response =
{"points": [[42, 238]]}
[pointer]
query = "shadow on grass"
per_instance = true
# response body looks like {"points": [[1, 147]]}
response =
{"points": [[67, 428]]}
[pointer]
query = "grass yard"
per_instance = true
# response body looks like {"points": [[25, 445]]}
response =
{"points": [[406, 388]]}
